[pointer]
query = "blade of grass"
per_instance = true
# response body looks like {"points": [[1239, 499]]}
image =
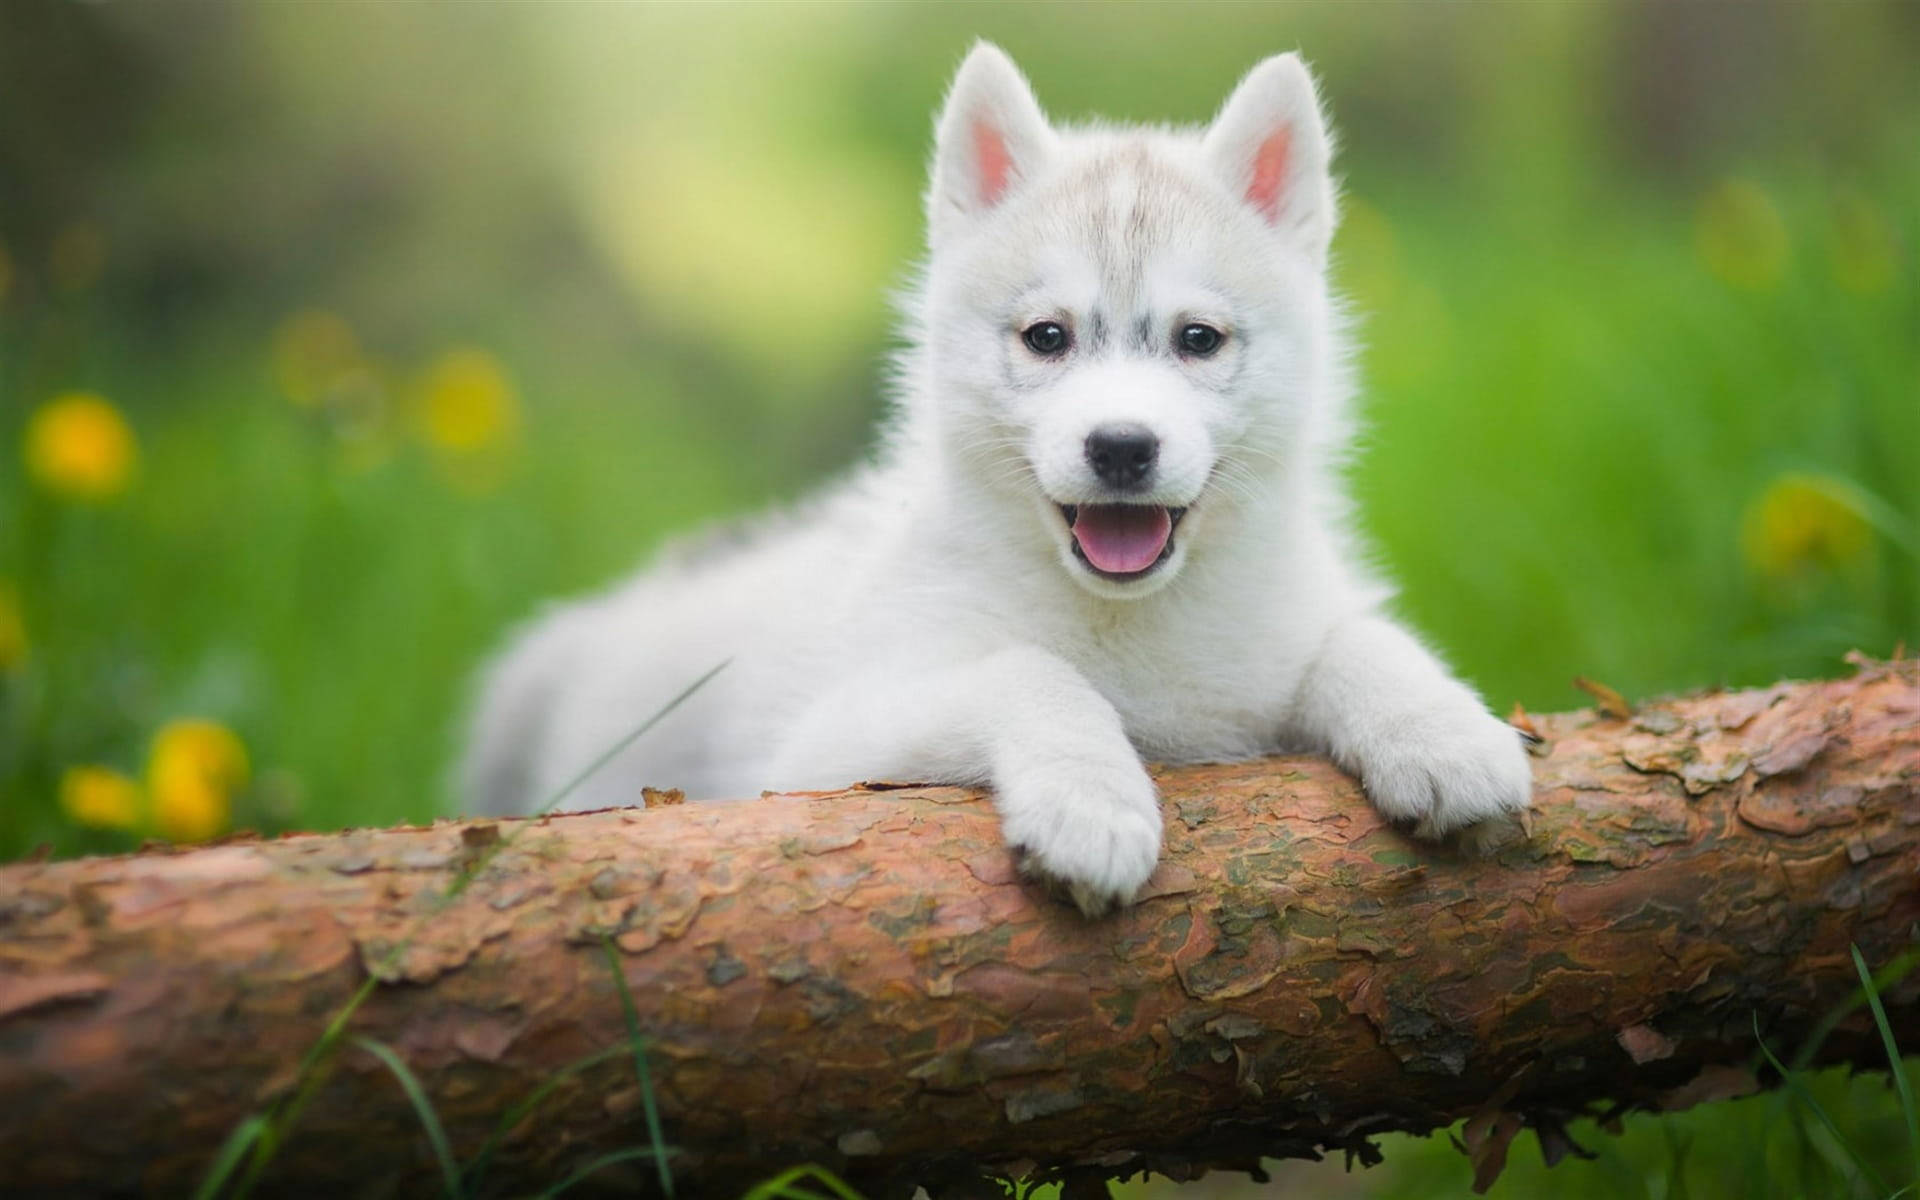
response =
{"points": [[1791, 1082], [605, 1160], [335, 1029], [1897, 969], [477, 1169], [784, 1184], [1826, 1167], [1894, 1065], [790, 1191], [613, 751], [837, 1185], [429, 1119], [640, 1063], [472, 868], [237, 1144], [281, 1122]]}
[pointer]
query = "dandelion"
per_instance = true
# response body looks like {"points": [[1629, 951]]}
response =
{"points": [[1741, 237], [99, 798], [313, 351], [193, 772], [467, 411], [1804, 522], [13, 629], [77, 257], [79, 447], [468, 402]]}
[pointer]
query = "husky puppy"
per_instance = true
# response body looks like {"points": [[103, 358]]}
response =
{"points": [[1107, 524]]}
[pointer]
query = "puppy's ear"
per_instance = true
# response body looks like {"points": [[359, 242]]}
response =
{"points": [[1270, 146], [992, 137]]}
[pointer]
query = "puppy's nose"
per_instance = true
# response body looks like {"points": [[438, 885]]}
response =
{"points": [[1122, 455]]}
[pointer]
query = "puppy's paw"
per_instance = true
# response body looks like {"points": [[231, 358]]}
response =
{"points": [[1459, 770], [1094, 834]]}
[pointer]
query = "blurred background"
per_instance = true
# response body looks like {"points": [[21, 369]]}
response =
{"points": [[334, 338]]}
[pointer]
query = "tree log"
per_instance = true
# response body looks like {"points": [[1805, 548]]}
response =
{"points": [[861, 980]]}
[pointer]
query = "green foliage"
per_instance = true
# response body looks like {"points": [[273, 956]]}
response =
{"points": [[1829, 1133]]}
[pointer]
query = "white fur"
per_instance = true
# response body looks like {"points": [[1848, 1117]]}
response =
{"points": [[929, 621]]}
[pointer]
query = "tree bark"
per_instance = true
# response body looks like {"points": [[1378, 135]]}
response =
{"points": [[861, 980]]}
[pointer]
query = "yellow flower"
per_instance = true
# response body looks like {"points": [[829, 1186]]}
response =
{"points": [[1741, 236], [1802, 522], [79, 446], [313, 351], [193, 772], [468, 402], [13, 629], [99, 798]]}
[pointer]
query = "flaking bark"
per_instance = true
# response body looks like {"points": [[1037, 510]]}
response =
{"points": [[861, 980]]}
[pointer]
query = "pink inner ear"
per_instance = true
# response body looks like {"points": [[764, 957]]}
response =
{"points": [[994, 163], [1269, 172]]}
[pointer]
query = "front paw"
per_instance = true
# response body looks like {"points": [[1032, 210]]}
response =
{"points": [[1094, 832], [1458, 768]]}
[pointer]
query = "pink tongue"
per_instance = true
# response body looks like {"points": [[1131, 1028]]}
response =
{"points": [[1122, 538]]}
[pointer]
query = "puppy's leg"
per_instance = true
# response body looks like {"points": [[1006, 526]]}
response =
{"points": [[1422, 744], [1074, 799]]}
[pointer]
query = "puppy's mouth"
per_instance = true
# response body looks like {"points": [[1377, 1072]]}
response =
{"points": [[1122, 541]]}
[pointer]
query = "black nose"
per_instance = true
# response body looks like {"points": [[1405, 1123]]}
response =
{"points": [[1122, 455]]}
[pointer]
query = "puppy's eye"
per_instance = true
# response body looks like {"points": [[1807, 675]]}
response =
{"points": [[1045, 338], [1200, 340]]}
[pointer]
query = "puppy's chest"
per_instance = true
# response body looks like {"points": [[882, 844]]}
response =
{"points": [[1188, 693]]}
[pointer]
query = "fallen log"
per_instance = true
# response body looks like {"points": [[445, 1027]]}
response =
{"points": [[861, 980]]}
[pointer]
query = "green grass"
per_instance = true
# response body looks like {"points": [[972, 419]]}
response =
{"points": [[1820, 1133]]}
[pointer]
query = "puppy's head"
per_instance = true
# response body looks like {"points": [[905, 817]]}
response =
{"points": [[1123, 327]]}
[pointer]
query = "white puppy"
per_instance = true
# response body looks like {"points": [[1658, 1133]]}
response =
{"points": [[1107, 523]]}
